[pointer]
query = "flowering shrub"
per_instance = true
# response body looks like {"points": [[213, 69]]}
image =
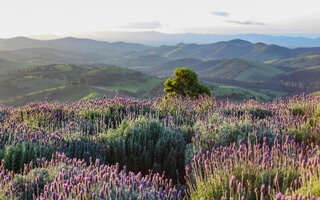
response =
{"points": [[65, 178], [255, 171], [237, 150]]}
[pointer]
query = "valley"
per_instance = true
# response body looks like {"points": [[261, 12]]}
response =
{"points": [[76, 69]]}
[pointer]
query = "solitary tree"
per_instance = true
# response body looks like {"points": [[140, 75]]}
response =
{"points": [[185, 83]]}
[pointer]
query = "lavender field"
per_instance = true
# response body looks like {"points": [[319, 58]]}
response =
{"points": [[123, 148]]}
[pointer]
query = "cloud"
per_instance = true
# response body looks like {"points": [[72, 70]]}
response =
{"points": [[143, 25], [245, 22], [221, 13]]}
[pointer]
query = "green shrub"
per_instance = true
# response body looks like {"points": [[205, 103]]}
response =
{"points": [[255, 112], [3, 115], [15, 156], [318, 112], [33, 186], [299, 109], [312, 122], [236, 112], [35, 180], [250, 178], [260, 113], [314, 188], [226, 133], [91, 114], [299, 135], [307, 134], [144, 144]]}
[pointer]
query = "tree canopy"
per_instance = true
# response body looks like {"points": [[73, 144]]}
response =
{"points": [[186, 83]]}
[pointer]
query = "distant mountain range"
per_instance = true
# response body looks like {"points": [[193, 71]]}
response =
{"points": [[229, 49], [237, 69], [69, 44], [156, 38], [76, 50], [22, 52]]}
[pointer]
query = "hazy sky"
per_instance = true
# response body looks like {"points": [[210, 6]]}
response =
{"points": [[64, 17]]}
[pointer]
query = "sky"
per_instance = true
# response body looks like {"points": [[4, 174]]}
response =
{"points": [[67, 17]]}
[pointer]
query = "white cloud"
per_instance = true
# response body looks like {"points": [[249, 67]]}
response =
{"points": [[65, 17], [221, 13]]}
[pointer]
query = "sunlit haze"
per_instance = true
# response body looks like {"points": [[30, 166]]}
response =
{"points": [[61, 17]]}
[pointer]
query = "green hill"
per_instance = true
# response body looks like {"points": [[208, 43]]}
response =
{"points": [[309, 74], [140, 61], [6, 65], [234, 69], [25, 52], [304, 80], [298, 62], [61, 82], [70, 44], [227, 49]]}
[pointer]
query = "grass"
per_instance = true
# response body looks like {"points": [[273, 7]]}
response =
{"points": [[316, 93], [171, 52], [71, 82], [273, 92], [297, 62], [64, 67], [235, 92], [93, 95], [313, 67], [38, 83], [61, 93], [132, 85], [260, 72]]}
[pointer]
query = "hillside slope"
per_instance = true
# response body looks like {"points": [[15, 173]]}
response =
{"points": [[26, 52], [234, 69], [61, 82], [69, 44], [305, 80], [229, 49], [299, 62]]}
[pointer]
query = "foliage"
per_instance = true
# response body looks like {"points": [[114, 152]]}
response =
{"points": [[251, 171], [186, 83], [299, 109], [318, 112], [53, 149], [145, 145], [64, 178]]}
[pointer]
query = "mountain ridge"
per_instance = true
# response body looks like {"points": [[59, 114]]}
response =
{"points": [[158, 38], [227, 49]]}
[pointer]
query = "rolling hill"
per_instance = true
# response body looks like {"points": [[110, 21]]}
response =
{"points": [[6, 65], [73, 68], [70, 44], [71, 82], [140, 61], [234, 69], [305, 80], [158, 38], [228, 49], [299, 62], [29, 52]]}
